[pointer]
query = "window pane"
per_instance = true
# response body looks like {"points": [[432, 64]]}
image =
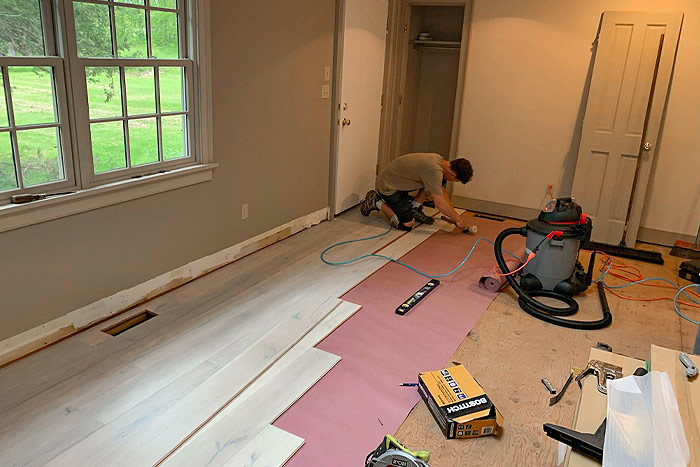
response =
{"points": [[4, 119], [92, 30], [32, 94], [164, 3], [8, 178], [132, 2], [108, 151], [104, 91], [20, 28], [164, 42], [131, 32], [174, 136], [170, 80], [143, 141], [140, 90], [39, 156]]}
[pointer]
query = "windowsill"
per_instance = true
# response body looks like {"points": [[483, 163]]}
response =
{"points": [[14, 216]]}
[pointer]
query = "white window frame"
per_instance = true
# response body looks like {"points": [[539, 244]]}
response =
{"points": [[95, 191]]}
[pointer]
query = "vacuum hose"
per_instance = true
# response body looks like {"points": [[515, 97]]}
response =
{"points": [[538, 309]]}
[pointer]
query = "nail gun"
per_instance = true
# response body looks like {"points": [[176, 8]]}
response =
{"points": [[391, 453]]}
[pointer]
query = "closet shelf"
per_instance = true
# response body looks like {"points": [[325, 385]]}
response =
{"points": [[453, 45]]}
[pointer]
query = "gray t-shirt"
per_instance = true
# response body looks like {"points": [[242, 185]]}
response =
{"points": [[411, 172]]}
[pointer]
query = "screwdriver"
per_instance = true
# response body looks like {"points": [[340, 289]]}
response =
{"points": [[29, 197]]}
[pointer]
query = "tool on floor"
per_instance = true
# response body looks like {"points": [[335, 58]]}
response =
{"points": [[686, 249], [29, 197], [390, 453], [603, 346], [574, 372], [603, 370], [472, 229], [690, 271], [552, 269], [549, 386], [589, 444], [691, 370], [413, 300]]}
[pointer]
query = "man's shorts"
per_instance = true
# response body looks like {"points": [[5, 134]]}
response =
{"points": [[400, 203]]}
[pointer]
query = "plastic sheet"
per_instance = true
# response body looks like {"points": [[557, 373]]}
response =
{"points": [[644, 427]]}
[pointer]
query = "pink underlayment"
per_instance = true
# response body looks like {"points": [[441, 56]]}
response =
{"points": [[348, 412]]}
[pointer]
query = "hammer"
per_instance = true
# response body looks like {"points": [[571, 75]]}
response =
{"points": [[471, 230]]}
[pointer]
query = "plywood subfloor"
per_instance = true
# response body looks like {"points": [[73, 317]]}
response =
{"points": [[508, 352]]}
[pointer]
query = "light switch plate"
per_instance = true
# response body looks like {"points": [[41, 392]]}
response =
{"points": [[244, 211], [327, 73], [325, 91]]}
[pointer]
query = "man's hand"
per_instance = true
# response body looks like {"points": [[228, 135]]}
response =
{"points": [[443, 205]]}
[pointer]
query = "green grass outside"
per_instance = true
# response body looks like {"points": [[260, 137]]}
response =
{"points": [[38, 150]]}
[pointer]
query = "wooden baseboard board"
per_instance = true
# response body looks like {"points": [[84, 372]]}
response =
{"points": [[645, 234], [34, 339]]}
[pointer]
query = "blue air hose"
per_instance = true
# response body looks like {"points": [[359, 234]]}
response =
{"points": [[373, 255]]}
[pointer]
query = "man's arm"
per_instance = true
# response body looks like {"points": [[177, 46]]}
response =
{"points": [[443, 205]]}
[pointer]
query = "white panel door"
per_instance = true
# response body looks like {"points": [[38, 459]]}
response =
{"points": [[364, 40], [635, 52]]}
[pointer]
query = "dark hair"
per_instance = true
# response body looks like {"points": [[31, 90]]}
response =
{"points": [[463, 169]]}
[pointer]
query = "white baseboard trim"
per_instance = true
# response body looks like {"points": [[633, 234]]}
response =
{"points": [[645, 234], [36, 338]]}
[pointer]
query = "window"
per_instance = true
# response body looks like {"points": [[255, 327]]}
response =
{"points": [[34, 150], [95, 91]]}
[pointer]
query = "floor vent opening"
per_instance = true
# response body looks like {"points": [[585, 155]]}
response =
{"points": [[129, 323]]}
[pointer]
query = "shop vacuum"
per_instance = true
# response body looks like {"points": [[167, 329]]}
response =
{"points": [[553, 242]]}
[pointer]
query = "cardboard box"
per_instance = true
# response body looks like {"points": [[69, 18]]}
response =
{"points": [[459, 404]]}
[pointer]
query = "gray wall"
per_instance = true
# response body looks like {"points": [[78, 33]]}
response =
{"points": [[271, 138]]}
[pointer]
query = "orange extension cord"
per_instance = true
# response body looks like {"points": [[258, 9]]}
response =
{"points": [[630, 273]]}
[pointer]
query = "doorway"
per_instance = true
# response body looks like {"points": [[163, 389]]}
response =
{"points": [[398, 87], [425, 77]]}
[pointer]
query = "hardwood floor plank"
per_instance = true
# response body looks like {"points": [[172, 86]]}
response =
{"points": [[243, 419], [271, 447], [111, 443], [114, 380], [148, 442]]}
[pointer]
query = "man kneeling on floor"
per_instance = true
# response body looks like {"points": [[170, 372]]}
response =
{"points": [[426, 172]]}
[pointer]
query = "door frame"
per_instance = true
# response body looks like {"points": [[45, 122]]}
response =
{"points": [[395, 73], [335, 104]]}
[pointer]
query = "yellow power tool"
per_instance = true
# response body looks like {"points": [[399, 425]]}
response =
{"points": [[391, 453]]}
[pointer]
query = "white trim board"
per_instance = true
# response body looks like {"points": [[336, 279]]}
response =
{"points": [[48, 333]]}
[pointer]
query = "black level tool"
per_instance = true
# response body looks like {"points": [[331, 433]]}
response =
{"points": [[417, 297]]}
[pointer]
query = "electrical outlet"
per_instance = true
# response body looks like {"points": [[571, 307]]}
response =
{"points": [[244, 211], [325, 91], [327, 73]]}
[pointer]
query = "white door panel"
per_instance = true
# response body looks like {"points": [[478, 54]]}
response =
{"points": [[364, 41], [616, 115]]}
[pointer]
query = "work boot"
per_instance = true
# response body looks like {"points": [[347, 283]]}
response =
{"points": [[421, 217], [369, 204]]}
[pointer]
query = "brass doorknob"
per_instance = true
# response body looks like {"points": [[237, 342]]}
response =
{"points": [[647, 146], [346, 122]]}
